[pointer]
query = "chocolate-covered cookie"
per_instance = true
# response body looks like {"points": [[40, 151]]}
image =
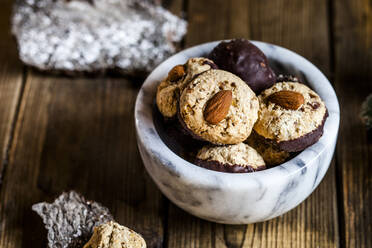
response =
{"points": [[291, 116], [218, 107], [232, 158], [245, 60], [271, 153]]}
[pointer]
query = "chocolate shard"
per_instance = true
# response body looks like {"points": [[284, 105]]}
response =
{"points": [[77, 37], [70, 219]]}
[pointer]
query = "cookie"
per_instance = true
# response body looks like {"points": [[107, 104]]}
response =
{"points": [[167, 98], [232, 158], [291, 116], [178, 77], [270, 153], [113, 235], [194, 67], [236, 111], [245, 60]]}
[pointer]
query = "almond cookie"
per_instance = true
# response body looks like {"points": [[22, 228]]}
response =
{"points": [[232, 158], [169, 90], [113, 235], [291, 116], [218, 107], [270, 153]]}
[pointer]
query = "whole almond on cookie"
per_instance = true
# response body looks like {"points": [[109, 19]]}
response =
{"points": [[287, 99], [218, 106], [176, 73]]}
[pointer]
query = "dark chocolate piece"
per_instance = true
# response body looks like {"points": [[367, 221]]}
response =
{"points": [[217, 166], [245, 60]]}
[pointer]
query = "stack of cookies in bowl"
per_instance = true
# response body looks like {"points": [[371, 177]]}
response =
{"points": [[234, 113]]}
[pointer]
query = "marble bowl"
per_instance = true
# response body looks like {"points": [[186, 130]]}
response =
{"points": [[237, 198]]}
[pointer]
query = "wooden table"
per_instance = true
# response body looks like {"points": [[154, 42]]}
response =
{"points": [[59, 133]]}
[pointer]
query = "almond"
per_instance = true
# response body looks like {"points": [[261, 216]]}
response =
{"points": [[176, 73], [287, 99], [218, 106]]}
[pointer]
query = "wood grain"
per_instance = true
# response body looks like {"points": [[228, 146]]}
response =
{"points": [[353, 77], [10, 83], [77, 134], [301, 26], [59, 133]]}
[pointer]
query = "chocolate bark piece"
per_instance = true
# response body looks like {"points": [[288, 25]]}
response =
{"points": [[129, 37], [70, 219], [241, 57]]}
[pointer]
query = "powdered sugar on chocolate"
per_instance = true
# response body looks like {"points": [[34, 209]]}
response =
{"points": [[128, 36]]}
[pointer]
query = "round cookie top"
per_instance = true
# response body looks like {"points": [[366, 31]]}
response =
{"points": [[240, 108], [232, 158], [179, 76], [289, 111]]}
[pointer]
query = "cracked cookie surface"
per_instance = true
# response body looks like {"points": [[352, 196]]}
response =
{"points": [[242, 114]]}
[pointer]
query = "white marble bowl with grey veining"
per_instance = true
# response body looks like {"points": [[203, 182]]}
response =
{"points": [[235, 198]]}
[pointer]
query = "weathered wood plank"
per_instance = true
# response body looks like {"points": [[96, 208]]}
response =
{"points": [[353, 77], [77, 134], [174, 6], [10, 81], [301, 26]]}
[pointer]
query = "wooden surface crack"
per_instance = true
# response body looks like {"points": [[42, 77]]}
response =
{"points": [[9, 142]]}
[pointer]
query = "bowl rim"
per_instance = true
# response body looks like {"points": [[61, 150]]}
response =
{"points": [[148, 136]]}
